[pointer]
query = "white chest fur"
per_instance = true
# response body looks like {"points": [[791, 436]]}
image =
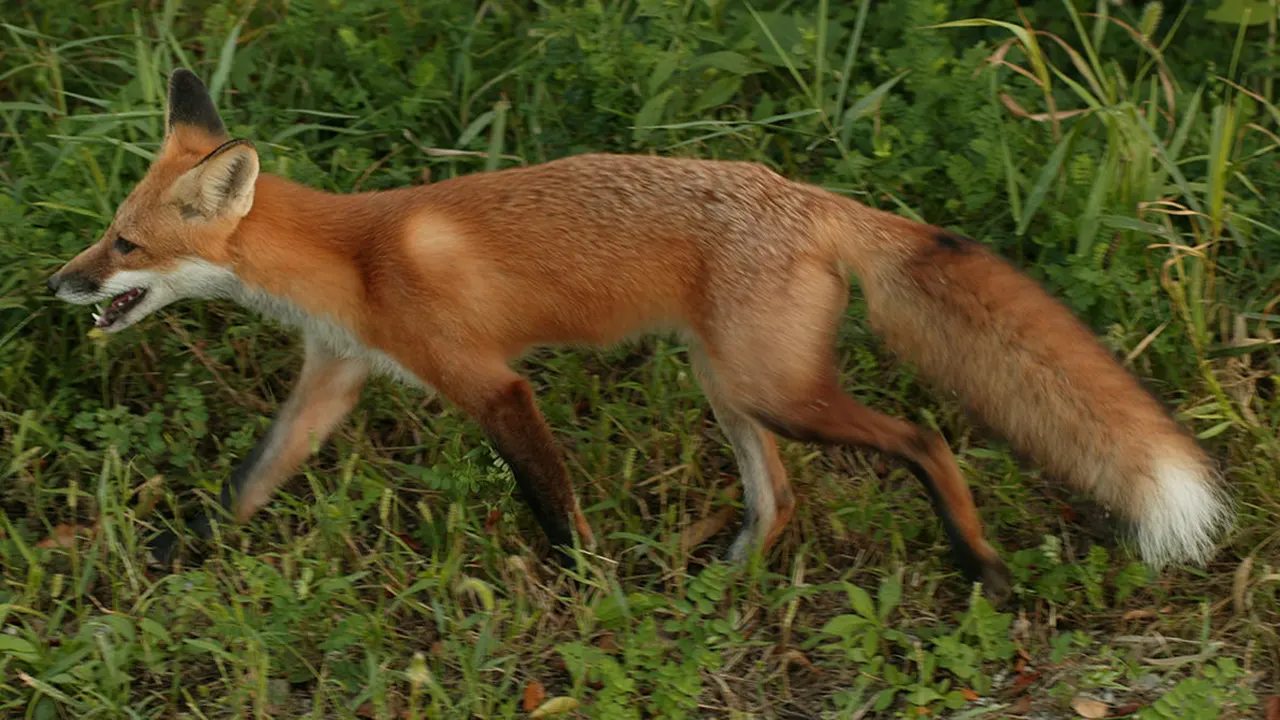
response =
{"points": [[337, 339]]}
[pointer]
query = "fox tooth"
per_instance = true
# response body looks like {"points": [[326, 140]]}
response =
{"points": [[96, 317]]}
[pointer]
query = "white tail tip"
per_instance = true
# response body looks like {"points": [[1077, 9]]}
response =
{"points": [[1183, 513]]}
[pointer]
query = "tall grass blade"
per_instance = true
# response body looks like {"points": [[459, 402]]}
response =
{"points": [[850, 59], [497, 133], [1051, 170], [225, 59]]}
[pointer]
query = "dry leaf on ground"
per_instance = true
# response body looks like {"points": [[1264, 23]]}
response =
{"points": [[64, 535], [534, 694], [607, 643], [1240, 585], [1021, 706], [1023, 681], [1089, 708], [1128, 708], [702, 530], [1140, 614], [555, 706]]}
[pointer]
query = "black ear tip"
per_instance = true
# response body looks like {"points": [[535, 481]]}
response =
{"points": [[190, 104], [182, 78]]}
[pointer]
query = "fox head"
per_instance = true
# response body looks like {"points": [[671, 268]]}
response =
{"points": [[171, 237]]}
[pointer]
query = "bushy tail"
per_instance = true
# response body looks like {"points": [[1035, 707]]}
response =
{"points": [[1031, 371]]}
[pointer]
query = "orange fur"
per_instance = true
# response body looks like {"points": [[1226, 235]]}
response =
{"points": [[451, 282]]}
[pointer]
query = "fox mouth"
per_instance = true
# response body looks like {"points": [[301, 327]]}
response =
{"points": [[119, 308]]}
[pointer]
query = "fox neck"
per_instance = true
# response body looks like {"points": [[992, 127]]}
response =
{"points": [[296, 254]]}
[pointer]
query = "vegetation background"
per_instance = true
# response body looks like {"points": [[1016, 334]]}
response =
{"points": [[1121, 152]]}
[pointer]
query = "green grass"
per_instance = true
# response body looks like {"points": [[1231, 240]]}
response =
{"points": [[397, 576]]}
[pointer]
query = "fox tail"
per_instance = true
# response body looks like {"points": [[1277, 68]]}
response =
{"points": [[1025, 366]]}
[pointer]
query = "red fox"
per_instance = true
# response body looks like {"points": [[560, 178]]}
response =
{"points": [[445, 285]]}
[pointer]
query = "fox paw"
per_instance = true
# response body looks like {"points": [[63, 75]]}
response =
{"points": [[997, 582], [164, 548]]}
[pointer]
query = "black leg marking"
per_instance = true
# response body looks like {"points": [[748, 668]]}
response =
{"points": [[240, 476], [554, 523], [521, 437], [964, 556], [164, 546]]}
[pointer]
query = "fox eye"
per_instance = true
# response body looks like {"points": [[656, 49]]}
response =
{"points": [[124, 247]]}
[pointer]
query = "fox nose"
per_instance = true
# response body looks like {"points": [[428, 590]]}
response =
{"points": [[53, 284]]}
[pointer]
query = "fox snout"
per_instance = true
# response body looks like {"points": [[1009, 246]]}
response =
{"points": [[72, 283], [76, 283]]}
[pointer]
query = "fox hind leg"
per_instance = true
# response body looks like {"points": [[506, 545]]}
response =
{"points": [[767, 499], [771, 352], [829, 416]]}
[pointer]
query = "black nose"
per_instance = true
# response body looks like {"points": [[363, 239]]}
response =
{"points": [[54, 283]]}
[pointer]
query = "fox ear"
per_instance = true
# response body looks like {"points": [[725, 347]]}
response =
{"points": [[191, 107], [221, 185]]}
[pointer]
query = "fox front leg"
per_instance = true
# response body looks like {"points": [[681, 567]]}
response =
{"points": [[328, 388]]}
